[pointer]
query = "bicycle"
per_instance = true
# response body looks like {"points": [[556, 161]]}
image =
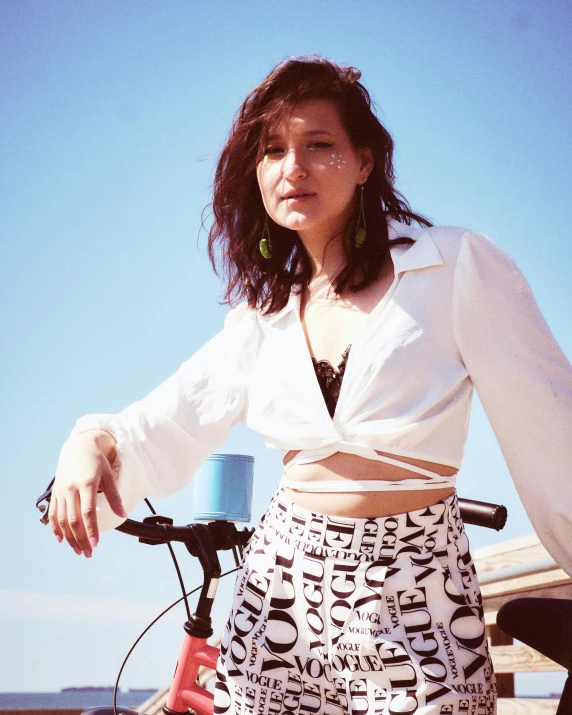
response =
{"points": [[204, 541]]}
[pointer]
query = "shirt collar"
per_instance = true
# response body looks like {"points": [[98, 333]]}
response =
{"points": [[409, 257], [292, 304], [423, 253]]}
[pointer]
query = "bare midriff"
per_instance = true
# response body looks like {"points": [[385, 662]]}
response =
{"points": [[360, 505]]}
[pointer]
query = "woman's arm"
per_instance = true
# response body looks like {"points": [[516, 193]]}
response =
{"points": [[524, 382], [160, 441]]}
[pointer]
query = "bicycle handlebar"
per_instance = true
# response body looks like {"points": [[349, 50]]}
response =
{"points": [[481, 513], [203, 541], [159, 530], [151, 530]]}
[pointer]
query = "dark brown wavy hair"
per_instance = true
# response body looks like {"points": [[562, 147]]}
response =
{"points": [[239, 213]]}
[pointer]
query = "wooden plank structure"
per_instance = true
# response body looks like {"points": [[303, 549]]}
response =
{"points": [[506, 570], [512, 569]]}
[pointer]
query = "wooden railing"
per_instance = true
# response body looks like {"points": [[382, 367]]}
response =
{"points": [[507, 570]]}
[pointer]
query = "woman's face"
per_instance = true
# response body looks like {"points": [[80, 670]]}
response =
{"points": [[310, 170]]}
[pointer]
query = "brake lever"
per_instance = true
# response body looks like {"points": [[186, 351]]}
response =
{"points": [[45, 497]]}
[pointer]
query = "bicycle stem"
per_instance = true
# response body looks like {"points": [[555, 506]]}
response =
{"points": [[204, 549]]}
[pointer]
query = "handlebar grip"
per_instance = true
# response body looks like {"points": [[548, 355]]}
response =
{"points": [[481, 513]]}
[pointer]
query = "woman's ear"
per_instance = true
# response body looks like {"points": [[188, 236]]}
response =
{"points": [[366, 166]]}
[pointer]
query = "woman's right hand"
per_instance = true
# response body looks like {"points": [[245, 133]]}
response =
{"points": [[84, 468]]}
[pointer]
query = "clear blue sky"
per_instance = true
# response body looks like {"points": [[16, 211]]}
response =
{"points": [[112, 113]]}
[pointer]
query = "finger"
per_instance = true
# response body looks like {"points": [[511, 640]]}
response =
{"points": [[62, 518], [53, 520], [75, 520], [109, 488], [88, 503]]}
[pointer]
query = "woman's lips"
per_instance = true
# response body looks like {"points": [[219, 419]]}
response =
{"points": [[297, 197]]}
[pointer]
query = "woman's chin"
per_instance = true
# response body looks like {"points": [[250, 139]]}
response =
{"points": [[308, 222], [296, 221]]}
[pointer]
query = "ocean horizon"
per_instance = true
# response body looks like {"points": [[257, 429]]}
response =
{"points": [[81, 698], [85, 698]]}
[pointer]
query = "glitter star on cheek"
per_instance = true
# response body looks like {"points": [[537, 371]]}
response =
{"points": [[337, 159]]}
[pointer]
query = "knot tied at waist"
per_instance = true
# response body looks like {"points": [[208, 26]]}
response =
{"points": [[426, 480]]}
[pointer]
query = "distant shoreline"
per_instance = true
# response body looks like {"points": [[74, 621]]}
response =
{"points": [[83, 697], [103, 688], [87, 688]]}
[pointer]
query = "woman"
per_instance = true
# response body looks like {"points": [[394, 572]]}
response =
{"points": [[358, 593]]}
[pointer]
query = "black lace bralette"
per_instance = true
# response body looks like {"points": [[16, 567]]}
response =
{"points": [[330, 379]]}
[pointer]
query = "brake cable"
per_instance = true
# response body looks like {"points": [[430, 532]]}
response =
{"points": [[184, 598]]}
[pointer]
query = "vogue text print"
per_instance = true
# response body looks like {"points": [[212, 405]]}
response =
{"points": [[366, 629]]}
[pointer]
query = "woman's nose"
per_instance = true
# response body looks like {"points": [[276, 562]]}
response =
{"points": [[293, 167]]}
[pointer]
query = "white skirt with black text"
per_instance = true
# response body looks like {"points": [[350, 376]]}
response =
{"points": [[349, 616]]}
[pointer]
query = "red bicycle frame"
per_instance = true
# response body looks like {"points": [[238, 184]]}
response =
{"points": [[195, 652]]}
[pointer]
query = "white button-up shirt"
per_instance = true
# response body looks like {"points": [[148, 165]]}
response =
{"points": [[458, 315]]}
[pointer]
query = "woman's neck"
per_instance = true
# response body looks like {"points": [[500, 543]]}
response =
{"points": [[327, 258]]}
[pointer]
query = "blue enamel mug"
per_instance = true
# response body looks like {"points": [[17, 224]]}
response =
{"points": [[223, 488]]}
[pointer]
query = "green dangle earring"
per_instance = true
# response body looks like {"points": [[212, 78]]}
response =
{"points": [[361, 232], [265, 246]]}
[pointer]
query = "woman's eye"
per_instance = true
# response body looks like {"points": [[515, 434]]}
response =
{"points": [[320, 145], [277, 151]]}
